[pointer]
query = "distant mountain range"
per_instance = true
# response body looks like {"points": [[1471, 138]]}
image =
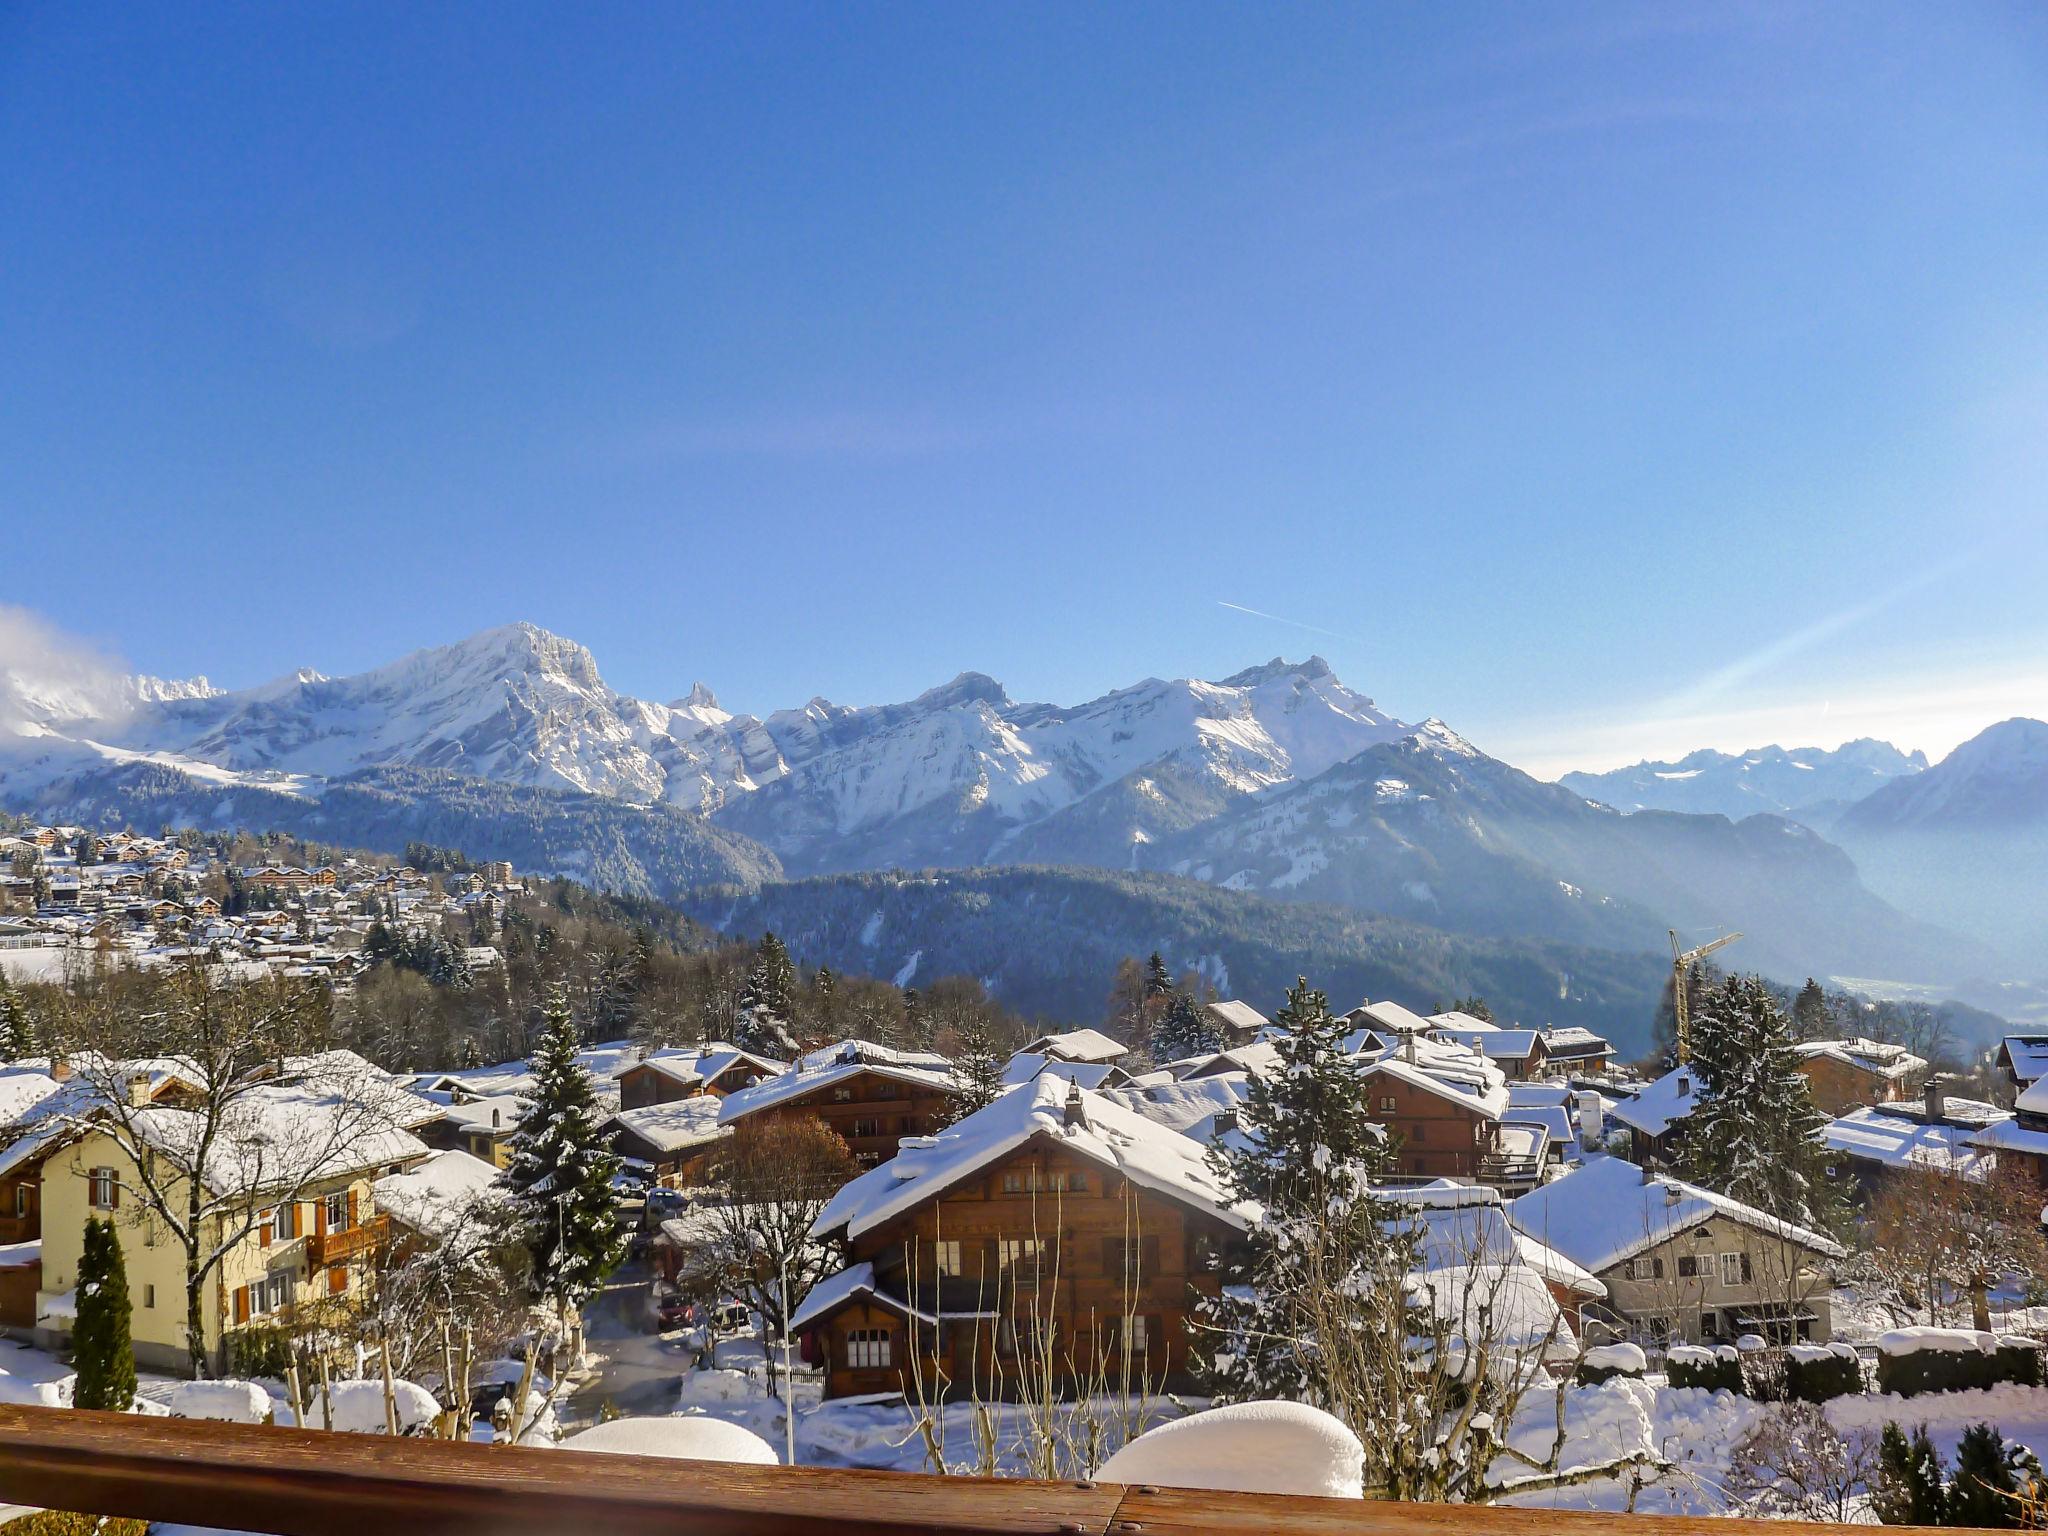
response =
{"points": [[1808, 784], [1278, 780]]}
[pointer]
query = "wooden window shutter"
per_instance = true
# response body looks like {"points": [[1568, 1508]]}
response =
{"points": [[115, 1180], [352, 1221], [263, 1231], [320, 1217], [337, 1280], [241, 1303]]}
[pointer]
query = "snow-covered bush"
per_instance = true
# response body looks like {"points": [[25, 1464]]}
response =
{"points": [[225, 1402], [359, 1408], [1718, 1369], [1814, 1373], [1916, 1360], [693, 1437], [1266, 1447], [1604, 1362]]}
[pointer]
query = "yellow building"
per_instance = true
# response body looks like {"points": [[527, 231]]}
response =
{"points": [[306, 1244]]}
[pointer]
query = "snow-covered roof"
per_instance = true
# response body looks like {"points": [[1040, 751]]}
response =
{"points": [[1872, 1056], [1259, 1058], [1460, 1224], [878, 1055], [1026, 1065], [1105, 1132], [705, 1063], [1388, 1016], [500, 1113], [268, 1134], [1489, 1099], [1454, 1019], [1897, 1141], [1571, 1040], [1238, 1015], [2028, 1055], [1609, 1209], [434, 1197], [2010, 1136], [806, 1080], [1659, 1105], [2033, 1099], [677, 1125], [1090, 1045], [1190, 1107], [1495, 1044]]}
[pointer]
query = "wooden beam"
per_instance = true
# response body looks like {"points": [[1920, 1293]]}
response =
{"points": [[295, 1482]]}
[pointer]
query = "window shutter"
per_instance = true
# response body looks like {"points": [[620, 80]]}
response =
{"points": [[263, 1231], [320, 1218], [241, 1303], [337, 1280], [352, 1208]]}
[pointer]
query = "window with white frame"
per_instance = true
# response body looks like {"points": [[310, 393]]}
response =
{"points": [[337, 1211], [867, 1349], [105, 1188], [946, 1256], [1735, 1269]]}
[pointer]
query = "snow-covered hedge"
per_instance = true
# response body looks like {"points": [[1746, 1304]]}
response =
{"points": [[1814, 1373], [1718, 1369], [227, 1402], [1604, 1362], [1916, 1360], [1249, 1448]]}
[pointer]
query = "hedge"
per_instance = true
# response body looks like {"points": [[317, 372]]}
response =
{"points": [[1718, 1369], [1816, 1372], [1911, 1361]]}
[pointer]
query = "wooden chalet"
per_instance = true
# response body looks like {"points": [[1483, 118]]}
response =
{"points": [[871, 1096]]}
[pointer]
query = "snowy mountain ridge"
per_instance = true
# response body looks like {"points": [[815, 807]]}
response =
{"points": [[1807, 783]]}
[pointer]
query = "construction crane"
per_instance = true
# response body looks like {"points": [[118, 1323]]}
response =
{"points": [[1681, 1001]]}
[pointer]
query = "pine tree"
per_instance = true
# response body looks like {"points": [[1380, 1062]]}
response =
{"points": [[1981, 1492], [1755, 1133], [824, 983], [1908, 1490], [1157, 982], [561, 1173], [1308, 1156], [778, 976], [758, 1025], [1185, 1029], [1475, 1007], [102, 1352]]}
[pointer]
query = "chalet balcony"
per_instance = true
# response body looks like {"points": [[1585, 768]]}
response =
{"points": [[326, 1249]]}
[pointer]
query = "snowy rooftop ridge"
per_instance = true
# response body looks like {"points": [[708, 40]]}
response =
{"points": [[1106, 1132], [1887, 1061]]}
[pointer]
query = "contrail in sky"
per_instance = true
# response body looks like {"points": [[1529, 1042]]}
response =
{"points": [[1314, 629]]}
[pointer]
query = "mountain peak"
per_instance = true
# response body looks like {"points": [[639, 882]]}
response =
{"points": [[700, 696], [967, 688], [1308, 671], [521, 646]]}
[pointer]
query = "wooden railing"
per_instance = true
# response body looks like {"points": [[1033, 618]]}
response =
{"points": [[328, 1248], [308, 1483]]}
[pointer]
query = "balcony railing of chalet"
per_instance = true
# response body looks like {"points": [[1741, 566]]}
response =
{"points": [[331, 1247], [309, 1483]]}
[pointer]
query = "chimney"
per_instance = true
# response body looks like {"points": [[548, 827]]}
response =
{"points": [[60, 1068], [1592, 1116], [1408, 1047], [1685, 1085], [497, 1119], [138, 1089], [1076, 1115], [1936, 1105]]}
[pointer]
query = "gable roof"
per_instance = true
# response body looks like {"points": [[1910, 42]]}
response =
{"points": [[1026, 1065], [2026, 1055], [1608, 1210], [1495, 1044], [1871, 1056], [1189, 1107], [804, 1081], [434, 1197], [1238, 1015], [675, 1126], [1149, 1155], [1486, 1099], [705, 1064], [1895, 1141], [1571, 1040], [1090, 1045], [1659, 1105]]}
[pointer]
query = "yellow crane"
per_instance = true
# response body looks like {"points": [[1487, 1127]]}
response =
{"points": [[1681, 1001]]}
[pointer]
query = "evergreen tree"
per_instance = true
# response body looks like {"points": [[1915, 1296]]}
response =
{"points": [[1157, 982], [977, 1070], [1908, 1490], [102, 1352], [1185, 1029], [1810, 1012], [757, 1024], [1308, 1156], [824, 983], [1475, 1007], [1755, 1133], [778, 976], [17, 1039], [1981, 1492], [561, 1173]]}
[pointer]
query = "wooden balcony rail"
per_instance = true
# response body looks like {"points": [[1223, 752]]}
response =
{"points": [[328, 1248], [309, 1483]]}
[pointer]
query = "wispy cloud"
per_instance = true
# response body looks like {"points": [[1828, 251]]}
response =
{"points": [[1314, 629], [47, 675]]}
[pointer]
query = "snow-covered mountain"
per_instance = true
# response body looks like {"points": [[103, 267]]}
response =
{"points": [[1809, 784], [1999, 777], [961, 773]]}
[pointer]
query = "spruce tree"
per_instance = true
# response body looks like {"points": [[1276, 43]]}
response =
{"points": [[561, 1173], [1810, 1011], [778, 976], [1157, 982], [1185, 1029], [1908, 1489], [758, 1025], [1981, 1492], [102, 1351], [977, 1071], [1308, 1156], [1754, 1133], [17, 1039]]}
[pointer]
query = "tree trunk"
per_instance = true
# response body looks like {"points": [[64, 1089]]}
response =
{"points": [[1980, 1304], [195, 1324]]}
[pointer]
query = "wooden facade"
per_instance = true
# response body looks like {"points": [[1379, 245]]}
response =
{"points": [[1039, 1260], [1436, 1136], [871, 1110], [1839, 1086], [654, 1082]]}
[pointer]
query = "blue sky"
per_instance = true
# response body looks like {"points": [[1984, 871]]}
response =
{"points": [[1604, 380]]}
